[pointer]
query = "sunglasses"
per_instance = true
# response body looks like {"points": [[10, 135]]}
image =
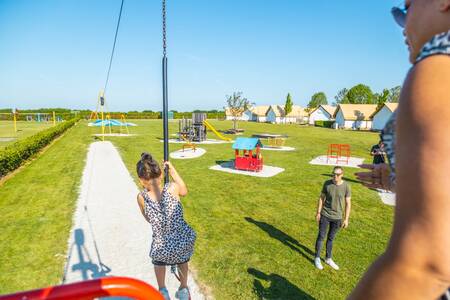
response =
{"points": [[337, 174], [399, 15]]}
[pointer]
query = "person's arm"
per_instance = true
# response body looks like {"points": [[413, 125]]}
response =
{"points": [[178, 187], [416, 264], [377, 178], [348, 206], [140, 201], [319, 207]]}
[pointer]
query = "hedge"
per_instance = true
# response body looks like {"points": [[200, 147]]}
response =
{"points": [[14, 155], [327, 124]]}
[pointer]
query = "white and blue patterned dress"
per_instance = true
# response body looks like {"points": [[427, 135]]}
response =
{"points": [[439, 44]]}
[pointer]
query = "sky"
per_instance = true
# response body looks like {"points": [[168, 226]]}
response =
{"points": [[55, 53]]}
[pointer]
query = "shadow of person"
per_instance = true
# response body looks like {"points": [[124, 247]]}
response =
{"points": [[284, 238], [88, 269], [279, 287]]}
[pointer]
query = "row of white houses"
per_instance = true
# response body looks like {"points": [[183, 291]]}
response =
{"points": [[349, 116], [271, 114]]}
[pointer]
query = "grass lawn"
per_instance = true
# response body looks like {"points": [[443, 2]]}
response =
{"points": [[256, 235], [24, 129], [36, 207]]}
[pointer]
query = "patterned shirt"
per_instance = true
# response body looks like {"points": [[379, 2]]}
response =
{"points": [[439, 44]]}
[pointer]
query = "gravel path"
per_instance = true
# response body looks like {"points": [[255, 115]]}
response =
{"points": [[109, 236]]}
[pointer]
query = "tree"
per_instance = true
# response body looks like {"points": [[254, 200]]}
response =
{"points": [[359, 94], [340, 97], [317, 99], [288, 105], [236, 106], [381, 98], [394, 94]]}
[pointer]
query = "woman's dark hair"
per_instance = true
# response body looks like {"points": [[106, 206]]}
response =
{"points": [[148, 168]]}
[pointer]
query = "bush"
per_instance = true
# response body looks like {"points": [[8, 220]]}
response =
{"points": [[13, 156], [327, 124]]}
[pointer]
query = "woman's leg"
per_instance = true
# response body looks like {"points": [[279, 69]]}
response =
{"points": [[160, 272], [183, 272]]}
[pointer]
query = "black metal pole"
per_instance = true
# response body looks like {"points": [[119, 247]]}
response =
{"points": [[165, 117]]}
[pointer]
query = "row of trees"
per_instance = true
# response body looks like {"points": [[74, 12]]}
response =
{"points": [[359, 94]]}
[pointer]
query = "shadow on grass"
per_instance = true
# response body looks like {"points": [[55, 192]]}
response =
{"points": [[344, 178], [284, 238], [226, 163], [279, 288]]}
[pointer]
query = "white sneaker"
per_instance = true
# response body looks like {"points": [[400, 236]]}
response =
{"points": [[331, 263], [318, 263], [165, 293], [183, 294]]}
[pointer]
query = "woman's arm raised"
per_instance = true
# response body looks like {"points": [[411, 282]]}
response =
{"points": [[416, 264], [178, 186]]}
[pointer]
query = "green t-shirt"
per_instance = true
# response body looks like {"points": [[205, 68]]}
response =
{"points": [[335, 195]]}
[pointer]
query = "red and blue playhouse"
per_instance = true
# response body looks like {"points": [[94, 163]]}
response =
{"points": [[248, 155]]}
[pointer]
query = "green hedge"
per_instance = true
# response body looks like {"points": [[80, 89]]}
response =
{"points": [[14, 155], [327, 124]]}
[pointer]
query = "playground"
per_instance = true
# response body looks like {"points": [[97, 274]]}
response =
{"points": [[256, 235], [24, 129]]}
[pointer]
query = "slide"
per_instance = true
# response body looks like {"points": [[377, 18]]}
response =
{"points": [[219, 135]]}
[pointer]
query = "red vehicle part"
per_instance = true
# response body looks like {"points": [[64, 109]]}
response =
{"points": [[103, 287]]}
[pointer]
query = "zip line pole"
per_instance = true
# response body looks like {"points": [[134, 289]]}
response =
{"points": [[165, 96]]}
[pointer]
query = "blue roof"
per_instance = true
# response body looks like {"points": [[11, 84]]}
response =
{"points": [[99, 123], [243, 143]]}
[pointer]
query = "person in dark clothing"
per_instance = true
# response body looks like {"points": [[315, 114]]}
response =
{"points": [[378, 153], [333, 211]]}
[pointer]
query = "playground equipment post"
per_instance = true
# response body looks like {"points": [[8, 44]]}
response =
{"points": [[15, 120]]}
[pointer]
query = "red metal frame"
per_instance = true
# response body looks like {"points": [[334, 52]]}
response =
{"points": [[90, 289], [249, 161], [340, 152]]}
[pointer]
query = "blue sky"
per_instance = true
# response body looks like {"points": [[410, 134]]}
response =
{"points": [[55, 53]]}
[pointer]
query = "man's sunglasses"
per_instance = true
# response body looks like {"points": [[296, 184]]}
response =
{"points": [[337, 174], [399, 15]]}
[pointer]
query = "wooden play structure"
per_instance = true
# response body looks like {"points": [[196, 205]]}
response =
{"points": [[192, 130], [272, 140], [195, 130], [339, 152], [250, 159]]}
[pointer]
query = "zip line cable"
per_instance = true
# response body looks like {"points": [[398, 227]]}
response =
{"points": [[113, 48]]}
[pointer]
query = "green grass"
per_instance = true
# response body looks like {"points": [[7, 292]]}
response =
{"points": [[256, 235], [24, 129], [36, 207]]}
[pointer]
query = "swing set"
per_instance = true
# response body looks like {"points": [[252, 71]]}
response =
{"points": [[111, 286]]}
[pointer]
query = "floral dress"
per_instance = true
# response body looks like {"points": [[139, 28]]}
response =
{"points": [[173, 239]]}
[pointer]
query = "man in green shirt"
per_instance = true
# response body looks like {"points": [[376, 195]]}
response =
{"points": [[335, 197]]}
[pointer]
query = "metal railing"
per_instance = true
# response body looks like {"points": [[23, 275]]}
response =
{"points": [[102, 287]]}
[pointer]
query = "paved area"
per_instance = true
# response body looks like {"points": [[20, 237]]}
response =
{"points": [[322, 160], [267, 171], [187, 153], [109, 236]]}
